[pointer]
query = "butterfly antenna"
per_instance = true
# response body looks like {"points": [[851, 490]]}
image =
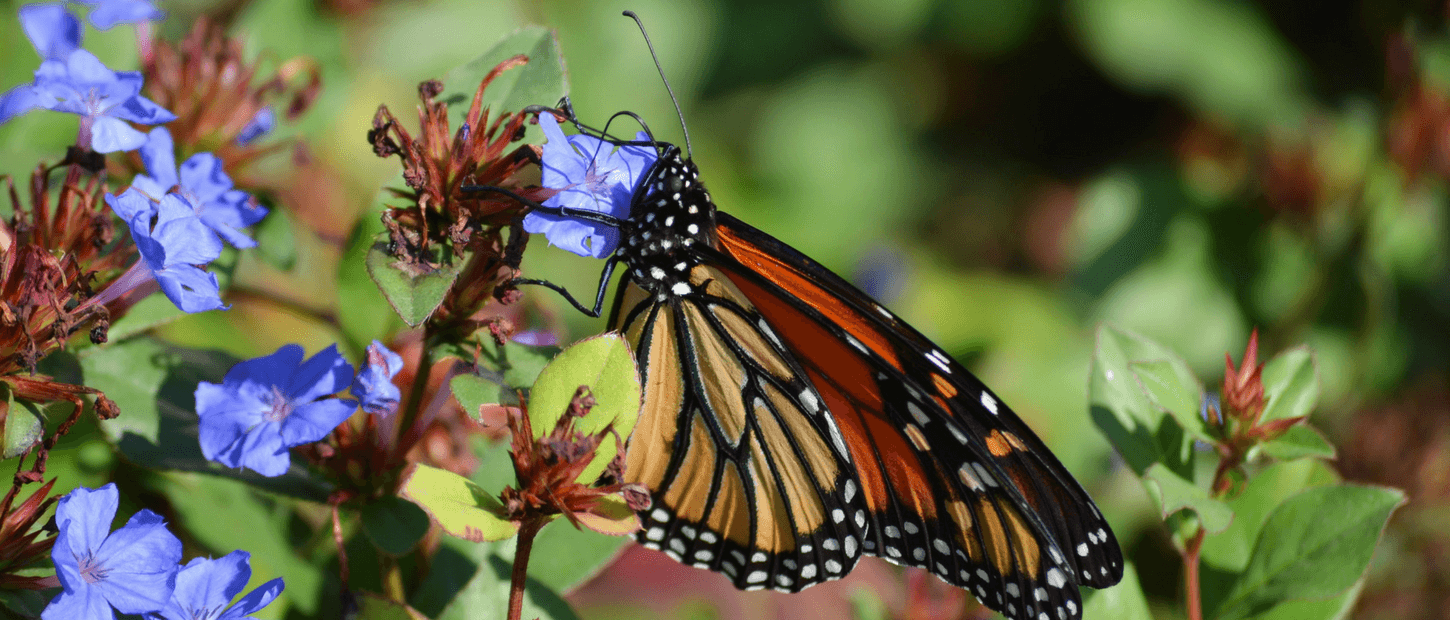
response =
{"points": [[671, 91]]}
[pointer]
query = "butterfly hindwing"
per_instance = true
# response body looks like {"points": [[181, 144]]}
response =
{"points": [[749, 476]]}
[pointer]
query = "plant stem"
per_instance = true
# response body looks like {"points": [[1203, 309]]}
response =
{"points": [[418, 389], [1190, 575], [527, 531]]}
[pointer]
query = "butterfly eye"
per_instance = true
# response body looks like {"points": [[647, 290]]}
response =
{"points": [[675, 183]]}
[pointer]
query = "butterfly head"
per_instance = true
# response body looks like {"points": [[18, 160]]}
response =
{"points": [[671, 217]]}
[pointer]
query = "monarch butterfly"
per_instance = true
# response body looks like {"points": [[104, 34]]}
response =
{"points": [[791, 424]]}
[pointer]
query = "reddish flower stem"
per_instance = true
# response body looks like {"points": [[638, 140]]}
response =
{"points": [[527, 531], [1190, 575]]}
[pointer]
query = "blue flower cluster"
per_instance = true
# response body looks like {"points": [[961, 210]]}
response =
{"points": [[265, 406], [136, 569], [178, 217]]}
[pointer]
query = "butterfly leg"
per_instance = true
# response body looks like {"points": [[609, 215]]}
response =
{"points": [[598, 296]]}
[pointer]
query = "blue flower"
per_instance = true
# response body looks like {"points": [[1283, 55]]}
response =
{"points": [[265, 405], [592, 175], [73, 80], [107, 13], [132, 569], [204, 587], [204, 184], [374, 383], [172, 241], [260, 125], [54, 31]]}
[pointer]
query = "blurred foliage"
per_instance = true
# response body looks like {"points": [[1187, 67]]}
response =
{"points": [[1004, 174]]}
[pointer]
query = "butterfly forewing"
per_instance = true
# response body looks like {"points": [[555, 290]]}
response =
{"points": [[957, 484]]}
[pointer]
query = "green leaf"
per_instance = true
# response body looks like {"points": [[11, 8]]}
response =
{"points": [[487, 591], [605, 364], [513, 364], [1174, 388], [1315, 545], [1124, 601], [1335, 608], [473, 391], [130, 373], [376, 607], [1229, 550], [1174, 493], [460, 507], [394, 524], [1291, 387], [1300, 441], [414, 291], [154, 385], [1143, 432], [24, 424], [276, 239], [542, 81], [26, 604], [564, 556], [223, 515], [362, 311]]}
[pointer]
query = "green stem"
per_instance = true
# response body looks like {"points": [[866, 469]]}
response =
{"points": [[527, 531], [419, 388]]}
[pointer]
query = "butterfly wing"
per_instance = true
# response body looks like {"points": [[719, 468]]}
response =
{"points": [[748, 474], [953, 480]]}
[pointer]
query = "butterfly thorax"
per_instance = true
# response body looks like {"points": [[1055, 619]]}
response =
{"points": [[671, 216]]}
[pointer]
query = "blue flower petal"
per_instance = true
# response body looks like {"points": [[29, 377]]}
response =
{"points": [[191, 289], [313, 421], [325, 373], [373, 385], [268, 370], [109, 135], [86, 72], [583, 238], [19, 100], [256, 599], [262, 451], [54, 31], [187, 240], [108, 13], [83, 604], [138, 109], [203, 176], [260, 125], [208, 584], [85, 516], [141, 562], [159, 155]]}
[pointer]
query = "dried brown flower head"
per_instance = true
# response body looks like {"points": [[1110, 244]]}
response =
{"points": [[216, 94], [548, 470]]}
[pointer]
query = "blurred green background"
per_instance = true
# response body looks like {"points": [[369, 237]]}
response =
{"points": [[1005, 174]]}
